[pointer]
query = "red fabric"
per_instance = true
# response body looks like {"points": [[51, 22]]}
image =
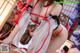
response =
{"points": [[20, 11], [20, 4], [36, 22], [24, 49], [59, 32], [18, 14], [42, 17], [67, 26], [73, 26], [44, 40], [28, 1], [74, 23]]}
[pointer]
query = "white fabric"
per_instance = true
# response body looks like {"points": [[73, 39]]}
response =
{"points": [[24, 46], [23, 23], [40, 34]]}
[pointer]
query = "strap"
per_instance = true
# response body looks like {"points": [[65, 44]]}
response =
{"points": [[46, 11], [67, 25], [34, 21], [35, 5], [73, 25], [26, 6], [40, 16], [23, 10], [72, 28], [44, 39], [45, 18]]}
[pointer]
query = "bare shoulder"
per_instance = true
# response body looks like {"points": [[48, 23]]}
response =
{"points": [[56, 9]]}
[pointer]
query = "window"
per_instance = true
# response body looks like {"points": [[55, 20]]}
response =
{"points": [[6, 7]]}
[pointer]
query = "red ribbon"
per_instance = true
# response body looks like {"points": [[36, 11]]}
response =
{"points": [[21, 10]]}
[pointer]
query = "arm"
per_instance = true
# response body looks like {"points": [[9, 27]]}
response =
{"points": [[56, 9]]}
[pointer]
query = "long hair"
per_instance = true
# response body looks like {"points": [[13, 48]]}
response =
{"points": [[49, 2]]}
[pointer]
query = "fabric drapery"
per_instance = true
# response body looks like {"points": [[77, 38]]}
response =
{"points": [[22, 26], [41, 36]]}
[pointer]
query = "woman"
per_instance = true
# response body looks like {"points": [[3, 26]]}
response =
{"points": [[59, 35]]}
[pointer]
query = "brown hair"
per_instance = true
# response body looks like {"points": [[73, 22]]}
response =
{"points": [[49, 2]]}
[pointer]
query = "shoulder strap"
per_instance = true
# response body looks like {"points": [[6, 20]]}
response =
{"points": [[46, 11], [35, 5]]}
